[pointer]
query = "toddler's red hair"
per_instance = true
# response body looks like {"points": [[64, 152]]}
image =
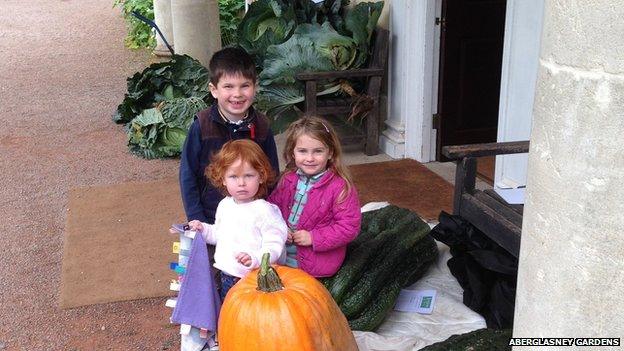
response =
{"points": [[247, 151]]}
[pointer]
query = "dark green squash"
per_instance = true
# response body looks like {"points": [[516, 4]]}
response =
{"points": [[477, 340], [374, 278], [414, 265]]}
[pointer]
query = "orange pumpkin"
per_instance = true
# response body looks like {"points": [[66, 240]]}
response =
{"points": [[282, 308]]}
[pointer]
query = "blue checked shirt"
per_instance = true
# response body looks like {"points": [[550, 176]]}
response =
{"points": [[304, 185]]}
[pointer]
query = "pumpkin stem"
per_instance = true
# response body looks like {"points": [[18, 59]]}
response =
{"points": [[268, 280]]}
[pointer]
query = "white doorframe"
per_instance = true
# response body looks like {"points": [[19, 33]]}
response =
{"points": [[411, 92], [523, 27]]}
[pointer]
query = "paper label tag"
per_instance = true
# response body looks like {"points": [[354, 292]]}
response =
{"points": [[171, 303], [420, 301], [183, 261], [185, 329], [176, 247], [203, 333], [178, 228]]}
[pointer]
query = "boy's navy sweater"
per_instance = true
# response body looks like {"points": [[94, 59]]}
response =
{"points": [[206, 136]]}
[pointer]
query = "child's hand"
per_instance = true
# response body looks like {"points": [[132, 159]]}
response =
{"points": [[302, 238], [289, 238], [196, 225], [243, 259]]}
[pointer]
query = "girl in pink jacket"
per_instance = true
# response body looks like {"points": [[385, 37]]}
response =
{"points": [[317, 199]]}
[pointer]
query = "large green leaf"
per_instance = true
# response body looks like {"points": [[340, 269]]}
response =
{"points": [[267, 22], [332, 11], [341, 50], [278, 100], [361, 22], [148, 117], [143, 131], [160, 132], [180, 112], [181, 76], [284, 119], [296, 55], [274, 98]]}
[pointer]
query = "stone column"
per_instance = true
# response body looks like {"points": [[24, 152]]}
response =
{"points": [[196, 28], [571, 271], [162, 18]]}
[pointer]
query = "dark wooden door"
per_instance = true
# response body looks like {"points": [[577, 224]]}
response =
{"points": [[471, 49]]}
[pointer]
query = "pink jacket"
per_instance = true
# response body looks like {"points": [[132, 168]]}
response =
{"points": [[331, 225]]}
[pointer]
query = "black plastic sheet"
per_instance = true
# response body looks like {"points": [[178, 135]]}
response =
{"points": [[485, 270]]}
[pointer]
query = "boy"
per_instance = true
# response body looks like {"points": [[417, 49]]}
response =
{"points": [[233, 85]]}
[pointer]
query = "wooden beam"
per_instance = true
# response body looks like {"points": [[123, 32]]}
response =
{"points": [[465, 175], [493, 224], [349, 73], [455, 152]]}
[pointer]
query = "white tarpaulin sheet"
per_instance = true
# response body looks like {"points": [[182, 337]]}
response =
{"points": [[408, 331]]}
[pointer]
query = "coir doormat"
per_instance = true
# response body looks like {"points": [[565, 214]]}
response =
{"points": [[404, 183], [117, 246]]}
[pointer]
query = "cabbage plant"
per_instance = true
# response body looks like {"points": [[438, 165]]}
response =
{"points": [[160, 132], [314, 47]]}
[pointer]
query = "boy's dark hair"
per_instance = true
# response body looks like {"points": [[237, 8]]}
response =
{"points": [[231, 61]]}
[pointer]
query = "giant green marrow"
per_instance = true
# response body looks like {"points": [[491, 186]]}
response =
{"points": [[416, 263], [372, 317], [353, 267], [477, 340], [415, 250]]}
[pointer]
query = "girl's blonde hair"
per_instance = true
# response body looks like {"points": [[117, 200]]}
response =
{"points": [[247, 151], [319, 129]]}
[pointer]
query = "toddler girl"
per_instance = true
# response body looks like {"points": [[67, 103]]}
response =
{"points": [[317, 199], [246, 226]]}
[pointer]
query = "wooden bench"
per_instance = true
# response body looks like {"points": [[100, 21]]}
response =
{"points": [[373, 73], [486, 210]]}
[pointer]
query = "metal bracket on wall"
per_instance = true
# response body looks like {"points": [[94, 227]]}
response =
{"points": [[440, 21], [435, 121]]}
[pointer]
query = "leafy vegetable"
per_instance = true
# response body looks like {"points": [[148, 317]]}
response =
{"points": [[361, 22], [139, 34], [160, 131], [271, 22], [289, 37], [266, 22], [230, 15], [181, 76], [339, 49], [285, 60], [332, 11], [312, 47]]}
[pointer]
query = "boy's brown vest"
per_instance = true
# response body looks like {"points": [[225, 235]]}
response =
{"points": [[258, 126]]}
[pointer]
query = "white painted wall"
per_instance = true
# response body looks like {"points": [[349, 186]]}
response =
{"points": [[523, 26]]}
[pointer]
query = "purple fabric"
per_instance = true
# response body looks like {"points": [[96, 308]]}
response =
{"points": [[332, 224], [198, 301]]}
